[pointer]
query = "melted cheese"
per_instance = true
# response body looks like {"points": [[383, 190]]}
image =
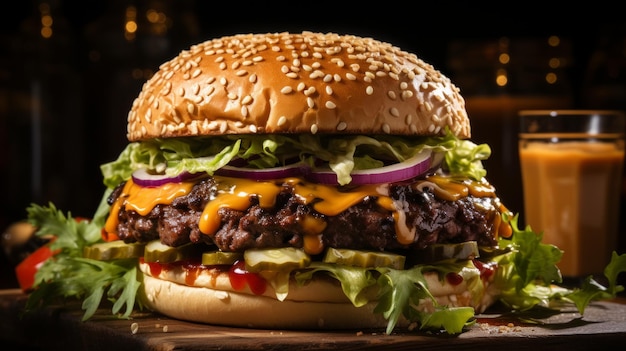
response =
{"points": [[235, 193]]}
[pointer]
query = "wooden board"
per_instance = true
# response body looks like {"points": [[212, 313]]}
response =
{"points": [[60, 328]]}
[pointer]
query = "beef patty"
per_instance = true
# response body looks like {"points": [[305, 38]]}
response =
{"points": [[365, 225]]}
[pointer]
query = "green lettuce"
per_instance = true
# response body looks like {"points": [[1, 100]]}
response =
{"points": [[342, 154]]}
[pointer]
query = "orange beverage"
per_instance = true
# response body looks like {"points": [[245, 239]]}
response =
{"points": [[571, 163], [572, 194]]}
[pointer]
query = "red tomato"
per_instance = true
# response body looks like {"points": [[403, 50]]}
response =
{"points": [[25, 270]]}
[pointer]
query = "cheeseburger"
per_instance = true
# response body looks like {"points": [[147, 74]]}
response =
{"points": [[298, 181]]}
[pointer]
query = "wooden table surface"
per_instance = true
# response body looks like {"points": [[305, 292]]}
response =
{"points": [[60, 328]]}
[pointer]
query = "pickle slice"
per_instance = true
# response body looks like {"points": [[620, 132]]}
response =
{"points": [[156, 251], [220, 258], [448, 252], [281, 259], [113, 250], [366, 259]]}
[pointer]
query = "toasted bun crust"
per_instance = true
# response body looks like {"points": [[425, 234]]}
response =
{"points": [[320, 304], [296, 83]]}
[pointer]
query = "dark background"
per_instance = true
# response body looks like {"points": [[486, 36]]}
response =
{"points": [[64, 99]]}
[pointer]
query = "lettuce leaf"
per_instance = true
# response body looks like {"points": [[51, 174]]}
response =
{"points": [[68, 274], [342, 154]]}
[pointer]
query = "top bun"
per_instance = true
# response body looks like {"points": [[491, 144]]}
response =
{"points": [[296, 83]]}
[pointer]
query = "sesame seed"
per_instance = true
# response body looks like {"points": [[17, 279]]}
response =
{"points": [[195, 89], [223, 81], [329, 90], [369, 90], [167, 88], [241, 73], [316, 74], [180, 91], [246, 100], [407, 94], [232, 96], [292, 75], [328, 78], [386, 128], [300, 86], [391, 94], [281, 121], [330, 105], [342, 126], [286, 90], [313, 128], [252, 78], [337, 78], [310, 102], [223, 66], [350, 76], [408, 119], [252, 128], [257, 58], [244, 111], [394, 112], [210, 90], [310, 91], [210, 80], [284, 69]]}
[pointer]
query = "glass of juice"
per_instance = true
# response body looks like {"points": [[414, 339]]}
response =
{"points": [[571, 163]]}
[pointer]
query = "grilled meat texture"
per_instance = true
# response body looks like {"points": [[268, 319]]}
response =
{"points": [[364, 226]]}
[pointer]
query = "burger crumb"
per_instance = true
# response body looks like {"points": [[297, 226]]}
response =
{"points": [[134, 328], [359, 333], [500, 329], [165, 328]]}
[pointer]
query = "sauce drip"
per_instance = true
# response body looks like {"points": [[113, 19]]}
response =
{"points": [[239, 277], [486, 270]]}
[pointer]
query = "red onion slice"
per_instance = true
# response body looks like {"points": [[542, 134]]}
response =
{"points": [[292, 170], [143, 178], [410, 168]]}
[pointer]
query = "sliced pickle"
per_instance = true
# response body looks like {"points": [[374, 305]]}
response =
{"points": [[366, 259], [113, 250], [156, 251], [281, 259], [220, 258], [438, 253]]}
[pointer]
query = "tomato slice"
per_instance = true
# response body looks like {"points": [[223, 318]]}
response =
{"points": [[25, 270]]}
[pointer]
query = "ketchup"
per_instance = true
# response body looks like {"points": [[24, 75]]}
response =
{"points": [[239, 277], [486, 270]]}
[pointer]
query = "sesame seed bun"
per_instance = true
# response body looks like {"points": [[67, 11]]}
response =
{"points": [[296, 83], [320, 304]]}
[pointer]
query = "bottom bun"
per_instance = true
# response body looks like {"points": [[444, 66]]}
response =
{"points": [[302, 309]]}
